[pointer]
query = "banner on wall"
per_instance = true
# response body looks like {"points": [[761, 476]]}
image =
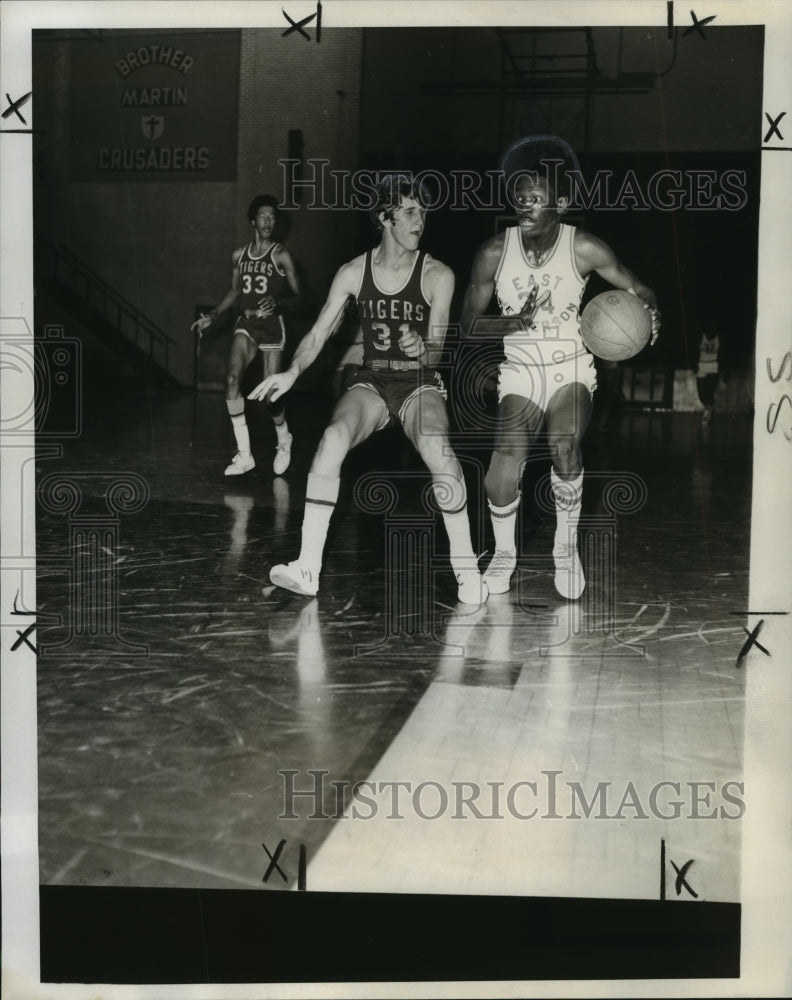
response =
{"points": [[154, 107]]}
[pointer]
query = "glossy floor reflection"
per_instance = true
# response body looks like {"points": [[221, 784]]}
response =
{"points": [[177, 721]]}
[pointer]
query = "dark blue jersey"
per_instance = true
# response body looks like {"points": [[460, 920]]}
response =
{"points": [[385, 316], [260, 277]]}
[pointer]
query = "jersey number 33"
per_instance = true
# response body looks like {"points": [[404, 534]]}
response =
{"points": [[255, 283]]}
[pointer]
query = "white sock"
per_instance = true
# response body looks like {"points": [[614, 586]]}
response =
{"points": [[504, 524], [320, 500], [241, 434], [236, 410], [451, 491], [568, 494], [282, 430], [457, 526]]}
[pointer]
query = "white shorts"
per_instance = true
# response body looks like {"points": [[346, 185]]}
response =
{"points": [[539, 383]]}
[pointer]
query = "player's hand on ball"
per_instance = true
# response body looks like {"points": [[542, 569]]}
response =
{"points": [[273, 387], [412, 344], [650, 303], [532, 304], [655, 314]]}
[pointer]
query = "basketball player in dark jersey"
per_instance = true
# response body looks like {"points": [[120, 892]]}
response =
{"points": [[403, 298], [538, 270], [261, 272]]}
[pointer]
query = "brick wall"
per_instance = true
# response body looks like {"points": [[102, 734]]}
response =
{"points": [[167, 246], [293, 84]]}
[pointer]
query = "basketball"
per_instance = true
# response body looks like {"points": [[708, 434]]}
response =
{"points": [[615, 325]]}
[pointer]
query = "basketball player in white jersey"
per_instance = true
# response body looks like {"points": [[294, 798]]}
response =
{"points": [[403, 297], [260, 271], [537, 270]]}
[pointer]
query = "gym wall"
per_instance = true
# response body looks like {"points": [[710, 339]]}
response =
{"points": [[163, 237]]}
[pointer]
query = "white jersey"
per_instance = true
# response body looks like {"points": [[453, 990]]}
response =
{"points": [[557, 334]]}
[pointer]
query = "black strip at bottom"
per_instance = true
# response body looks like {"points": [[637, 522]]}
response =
{"points": [[126, 935]]}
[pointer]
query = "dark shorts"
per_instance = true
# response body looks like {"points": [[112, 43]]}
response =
{"points": [[268, 333], [396, 388]]}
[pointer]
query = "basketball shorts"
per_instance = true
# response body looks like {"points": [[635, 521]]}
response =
{"points": [[267, 334], [539, 383], [396, 388]]}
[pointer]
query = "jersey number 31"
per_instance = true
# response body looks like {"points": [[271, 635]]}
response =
{"points": [[382, 330]]}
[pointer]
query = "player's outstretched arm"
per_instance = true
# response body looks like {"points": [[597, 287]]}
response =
{"points": [[344, 284], [593, 255], [479, 292], [228, 300]]}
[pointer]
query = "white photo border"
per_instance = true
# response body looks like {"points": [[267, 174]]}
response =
{"points": [[766, 891]]}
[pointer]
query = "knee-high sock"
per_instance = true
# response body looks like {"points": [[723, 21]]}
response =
{"points": [[281, 427], [236, 410], [568, 494], [503, 483], [320, 500], [504, 523], [451, 496]]}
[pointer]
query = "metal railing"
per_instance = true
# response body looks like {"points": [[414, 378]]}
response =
{"points": [[62, 266]]}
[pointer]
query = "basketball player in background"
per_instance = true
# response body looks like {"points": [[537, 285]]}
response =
{"points": [[403, 297], [538, 270], [707, 374], [260, 273]]}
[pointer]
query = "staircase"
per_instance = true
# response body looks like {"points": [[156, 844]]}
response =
{"points": [[105, 313]]}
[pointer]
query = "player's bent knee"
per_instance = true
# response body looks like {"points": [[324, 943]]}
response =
{"points": [[565, 451], [502, 481]]}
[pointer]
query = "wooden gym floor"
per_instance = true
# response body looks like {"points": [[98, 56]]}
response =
{"points": [[168, 747]]}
